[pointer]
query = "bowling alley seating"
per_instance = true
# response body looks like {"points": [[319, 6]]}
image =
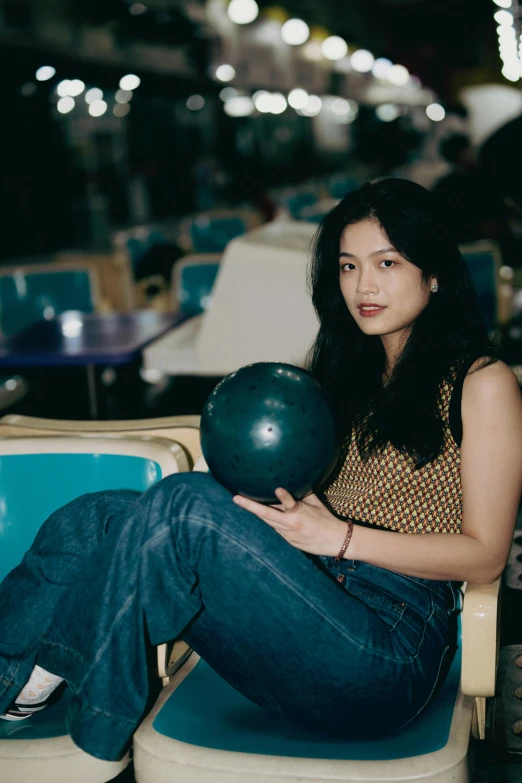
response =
{"points": [[201, 730], [58, 469], [114, 273], [137, 241], [492, 281], [210, 232], [272, 320], [316, 212], [32, 292], [193, 278], [341, 184]]}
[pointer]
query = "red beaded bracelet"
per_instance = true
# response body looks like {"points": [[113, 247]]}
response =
{"points": [[346, 540]]}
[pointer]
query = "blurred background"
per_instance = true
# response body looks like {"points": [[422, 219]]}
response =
{"points": [[146, 145]]}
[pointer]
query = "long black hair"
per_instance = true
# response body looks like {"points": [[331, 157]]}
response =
{"points": [[449, 331]]}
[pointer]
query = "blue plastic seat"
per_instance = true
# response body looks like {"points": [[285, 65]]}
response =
{"points": [[51, 473], [30, 294], [194, 286], [212, 234]]}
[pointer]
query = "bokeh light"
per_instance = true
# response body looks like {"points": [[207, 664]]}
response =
{"points": [[65, 104], [130, 81], [398, 75], [44, 73], [334, 48], [242, 11], [225, 73], [381, 67], [435, 112], [239, 106], [298, 98], [362, 61], [195, 102], [97, 108], [387, 112], [295, 32], [94, 94]]}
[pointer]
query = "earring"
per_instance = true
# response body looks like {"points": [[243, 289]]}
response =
{"points": [[434, 288]]}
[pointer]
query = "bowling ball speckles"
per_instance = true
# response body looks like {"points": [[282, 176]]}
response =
{"points": [[269, 425]]}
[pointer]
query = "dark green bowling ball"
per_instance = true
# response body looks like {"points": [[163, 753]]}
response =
{"points": [[269, 425]]}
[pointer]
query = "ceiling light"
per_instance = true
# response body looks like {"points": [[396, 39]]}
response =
{"points": [[398, 75], [97, 108], [362, 60], [44, 73], [278, 103], [334, 48], [242, 11], [239, 106], [381, 67], [227, 93], [435, 112], [195, 102], [387, 112], [503, 18], [76, 87], [225, 73], [295, 32], [298, 98], [130, 81], [94, 94], [65, 104]]}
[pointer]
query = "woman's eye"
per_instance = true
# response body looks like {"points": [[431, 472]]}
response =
{"points": [[388, 262], [347, 267]]}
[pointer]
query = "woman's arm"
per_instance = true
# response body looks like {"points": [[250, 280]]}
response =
{"points": [[491, 477]]}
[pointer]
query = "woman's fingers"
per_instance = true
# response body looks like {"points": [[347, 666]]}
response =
{"points": [[289, 502], [266, 513], [313, 500]]}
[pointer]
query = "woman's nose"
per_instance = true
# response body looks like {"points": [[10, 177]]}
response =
{"points": [[367, 283]]}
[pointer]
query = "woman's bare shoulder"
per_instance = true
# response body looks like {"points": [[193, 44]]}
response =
{"points": [[493, 383]]}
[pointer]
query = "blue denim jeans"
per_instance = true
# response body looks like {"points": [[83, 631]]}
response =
{"points": [[112, 572]]}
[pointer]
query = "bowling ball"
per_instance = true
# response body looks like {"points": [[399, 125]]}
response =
{"points": [[269, 425]]}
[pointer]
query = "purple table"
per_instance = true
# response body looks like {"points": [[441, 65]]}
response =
{"points": [[86, 339]]}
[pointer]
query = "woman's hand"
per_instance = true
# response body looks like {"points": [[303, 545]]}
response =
{"points": [[306, 524]]}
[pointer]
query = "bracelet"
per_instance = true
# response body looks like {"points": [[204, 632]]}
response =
{"points": [[346, 541]]}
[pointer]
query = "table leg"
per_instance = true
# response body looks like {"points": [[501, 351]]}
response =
{"points": [[91, 386]]}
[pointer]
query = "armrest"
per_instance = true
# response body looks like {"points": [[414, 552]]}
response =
{"points": [[480, 627]]}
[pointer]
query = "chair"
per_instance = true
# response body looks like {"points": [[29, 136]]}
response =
{"points": [[314, 213], [261, 310], [114, 272], [210, 232], [201, 730], [40, 291], [193, 278], [61, 469], [491, 281]]}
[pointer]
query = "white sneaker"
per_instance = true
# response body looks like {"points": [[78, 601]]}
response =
{"points": [[34, 696]]}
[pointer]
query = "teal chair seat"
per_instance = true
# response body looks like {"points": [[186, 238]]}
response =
{"points": [[212, 235], [38, 476], [28, 295], [194, 288], [205, 711], [32, 486]]}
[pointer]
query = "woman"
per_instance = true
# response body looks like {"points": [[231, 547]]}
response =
{"points": [[306, 613]]}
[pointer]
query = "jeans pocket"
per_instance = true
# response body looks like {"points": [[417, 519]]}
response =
{"points": [[386, 606]]}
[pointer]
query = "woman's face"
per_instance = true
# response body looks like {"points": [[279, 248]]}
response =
{"points": [[383, 291]]}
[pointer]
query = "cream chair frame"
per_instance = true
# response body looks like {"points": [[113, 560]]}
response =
{"points": [[58, 759]]}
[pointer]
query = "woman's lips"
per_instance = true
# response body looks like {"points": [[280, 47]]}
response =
{"points": [[368, 311]]}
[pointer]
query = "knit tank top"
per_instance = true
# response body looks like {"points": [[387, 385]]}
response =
{"points": [[387, 492]]}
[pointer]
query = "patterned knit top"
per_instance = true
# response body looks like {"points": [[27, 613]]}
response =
{"points": [[386, 491]]}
